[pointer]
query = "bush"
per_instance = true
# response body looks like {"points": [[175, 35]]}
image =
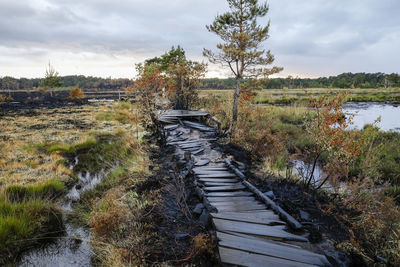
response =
{"points": [[76, 92]]}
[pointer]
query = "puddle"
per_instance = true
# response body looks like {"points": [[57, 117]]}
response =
{"points": [[73, 248]]}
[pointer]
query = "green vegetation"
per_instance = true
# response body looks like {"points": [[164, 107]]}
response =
{"points": [[26, 217], [46, 190], [344, 80]]}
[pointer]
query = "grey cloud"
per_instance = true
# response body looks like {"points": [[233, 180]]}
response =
{"points": [[324, 31]]}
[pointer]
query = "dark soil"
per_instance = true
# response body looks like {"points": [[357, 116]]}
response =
{"points": [[37, 99], [176, 224]]}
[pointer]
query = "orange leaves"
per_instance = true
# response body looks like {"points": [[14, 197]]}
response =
{"points": [[330, 130]]}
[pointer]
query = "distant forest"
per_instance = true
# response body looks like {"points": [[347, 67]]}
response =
{"points": [[345, 80]]}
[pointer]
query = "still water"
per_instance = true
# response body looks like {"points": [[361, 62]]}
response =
{"points": [[366, 113]]}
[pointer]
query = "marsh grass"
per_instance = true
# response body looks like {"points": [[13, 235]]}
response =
{"points": [[299, 96], [26, 222]]}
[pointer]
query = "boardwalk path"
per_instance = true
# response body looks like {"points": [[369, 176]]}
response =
{"points": [[251, 229]]}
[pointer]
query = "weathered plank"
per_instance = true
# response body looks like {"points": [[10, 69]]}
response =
{"points": [[202, 162], [217, 175], [239, 208], [210, 168], [257, 229], [243, 258], [171, 127], [267, 214], [224, 188], [270, 248], [238, 203], [283, 214], [217, 180], [220, 183], [200, 150], [229, 194], [274, 221], [224, 199]]}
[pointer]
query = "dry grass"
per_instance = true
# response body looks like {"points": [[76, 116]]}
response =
{"points": [[23, 134]]}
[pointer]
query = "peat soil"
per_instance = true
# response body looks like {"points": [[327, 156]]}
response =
{"points": [[38, 99], [182, 238]]}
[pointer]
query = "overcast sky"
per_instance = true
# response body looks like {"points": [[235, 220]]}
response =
{"points": [[108, 37]]}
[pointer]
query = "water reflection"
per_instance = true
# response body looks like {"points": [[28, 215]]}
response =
{"points": [[366, 113]]}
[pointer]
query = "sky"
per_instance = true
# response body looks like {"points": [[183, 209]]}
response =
{"points": [[107, 38]]}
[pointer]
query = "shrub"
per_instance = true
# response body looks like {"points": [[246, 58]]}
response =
{"points": [[76, 92]]}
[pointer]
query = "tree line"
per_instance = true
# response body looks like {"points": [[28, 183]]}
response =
{"points": [[344, 80], [84, 82]]}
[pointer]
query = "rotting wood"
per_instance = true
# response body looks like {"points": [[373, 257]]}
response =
{"points": [[283, 214]]}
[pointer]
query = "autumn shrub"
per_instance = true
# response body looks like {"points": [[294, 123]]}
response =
{"points": [[76, 92], [375, 221], [107, 215]]}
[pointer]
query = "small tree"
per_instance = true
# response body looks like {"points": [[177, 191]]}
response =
{"points": [[51, 79], [241, 49], [148, 88], [182, 76], [329, 130]]}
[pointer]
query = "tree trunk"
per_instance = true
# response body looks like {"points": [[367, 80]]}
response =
{"points": [[236, 96]]}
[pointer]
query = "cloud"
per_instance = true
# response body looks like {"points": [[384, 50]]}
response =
{"points": [[309, 38]]}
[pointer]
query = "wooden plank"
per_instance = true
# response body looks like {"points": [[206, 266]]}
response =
{"points": [[210, 168], [171, 127], [273, 249], [212, 172], [224, 199], [268, 215], [224, 188], [200, 150], [238, 203], [217, 175], [217, 180], [239, 208], [274, 221], [202, 162], [220, 183], [243, 258], [257, 229], [229, 194], [261, 238], [283, 214]]}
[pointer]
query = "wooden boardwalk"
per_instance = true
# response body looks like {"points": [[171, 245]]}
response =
{"points": [[251, 229]]}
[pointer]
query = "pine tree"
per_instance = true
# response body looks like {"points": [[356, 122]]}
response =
{"points": [[241, 49]]}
